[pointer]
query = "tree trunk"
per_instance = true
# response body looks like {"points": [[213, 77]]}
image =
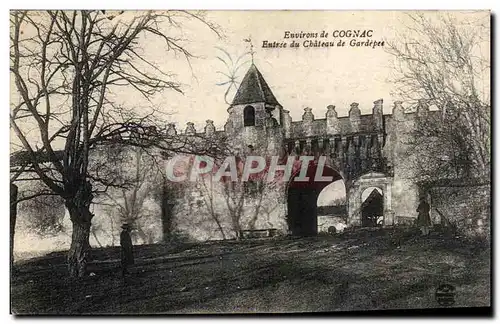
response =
{"points": [[166, 212], [81, 218], [219, 225], [78, 255], [238, 232], [13, 217]]}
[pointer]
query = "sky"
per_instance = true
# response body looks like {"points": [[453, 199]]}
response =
{"points": [[299, 77], [331, 193]]}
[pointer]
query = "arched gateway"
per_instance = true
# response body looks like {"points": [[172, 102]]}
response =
{"points": [[302, 197]]}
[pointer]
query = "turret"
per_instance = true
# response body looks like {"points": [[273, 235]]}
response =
{"points": [[190, 130], [209, 127], [171, 131], [332, 121], [254, 101], [287, 123], [378, 113], [398, 112], [355, 117], [254, 110], [307, 119]]}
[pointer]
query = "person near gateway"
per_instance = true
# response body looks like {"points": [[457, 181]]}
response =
{"points": [[424, 218], [126, 251]]}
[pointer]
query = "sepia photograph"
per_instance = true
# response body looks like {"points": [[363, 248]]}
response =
{"points": [[250, 162]]}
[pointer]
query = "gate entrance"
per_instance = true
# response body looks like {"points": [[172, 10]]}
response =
{"points": [[372, 209], [302, 197]]}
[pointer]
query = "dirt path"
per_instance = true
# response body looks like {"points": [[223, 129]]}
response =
{"points": [[362, 271]]}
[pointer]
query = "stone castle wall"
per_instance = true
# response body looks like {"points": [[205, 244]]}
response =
{"points": [[199, 207], [194, 216], [468, 208]]}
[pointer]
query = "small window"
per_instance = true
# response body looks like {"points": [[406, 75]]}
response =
{"points": [[249, 116]]}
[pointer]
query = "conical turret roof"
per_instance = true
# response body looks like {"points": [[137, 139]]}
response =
{"points": [[253, 89]]}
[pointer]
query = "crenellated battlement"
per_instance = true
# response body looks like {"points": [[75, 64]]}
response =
{"points": [[190, 130], [309, 126], [332, 124]]}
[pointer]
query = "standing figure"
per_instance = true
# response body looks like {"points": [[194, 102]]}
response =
{"points": [[424, 219], [126, 253]]}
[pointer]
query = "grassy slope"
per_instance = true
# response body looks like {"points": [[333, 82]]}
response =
{"points": [[355, 271]]}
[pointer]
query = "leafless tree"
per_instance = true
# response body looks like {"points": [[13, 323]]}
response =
{"points": [[130, 204], [209, 196], [443, 61], [46, 211], [234, 198], [233, 206], [13, 218], [65, 66], [248, 202]]}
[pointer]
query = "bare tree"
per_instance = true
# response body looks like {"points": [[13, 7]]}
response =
{"points": [[46, 211], [65, 66], [130, 204], [234, 197], [232, 205], [209, 195], [249, 202], [444, 62], [13, 219]]}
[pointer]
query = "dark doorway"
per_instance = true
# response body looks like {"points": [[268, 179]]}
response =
{"points": [[302, 201], [372, 208], [302, 211]]}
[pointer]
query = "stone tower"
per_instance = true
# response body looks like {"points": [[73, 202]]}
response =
{"points": [[255, 115]]}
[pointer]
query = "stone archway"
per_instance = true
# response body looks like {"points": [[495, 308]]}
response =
{"points": [[355, 199], [302, 197]]}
